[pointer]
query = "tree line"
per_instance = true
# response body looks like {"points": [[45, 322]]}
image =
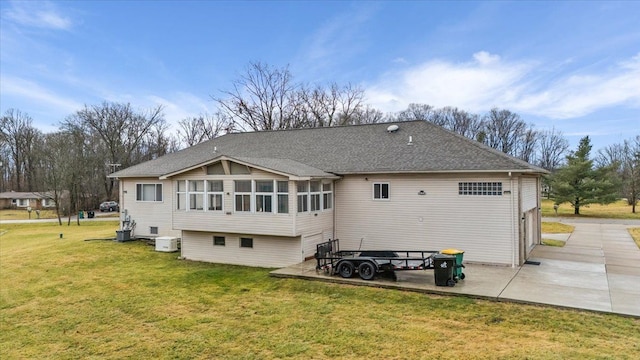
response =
{"points": [[99, 139]]}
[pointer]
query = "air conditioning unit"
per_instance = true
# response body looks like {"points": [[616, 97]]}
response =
{"points": [[166, 244]]}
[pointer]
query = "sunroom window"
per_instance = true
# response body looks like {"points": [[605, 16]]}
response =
{"points": [[303, 196], [243, 195], [215, 190], [196, 194], [264, 195], [283, 197]]}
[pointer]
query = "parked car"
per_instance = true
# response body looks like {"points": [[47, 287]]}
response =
{"points": [[109, 206]]}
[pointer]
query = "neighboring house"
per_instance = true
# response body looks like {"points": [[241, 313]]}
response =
{"points": [[24, 200], [267, 198]]}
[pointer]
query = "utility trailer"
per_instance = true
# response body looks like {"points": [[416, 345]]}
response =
{"points": [[369, 263]]}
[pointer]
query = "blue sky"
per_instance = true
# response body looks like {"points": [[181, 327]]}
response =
{"points": [[570, 65]]}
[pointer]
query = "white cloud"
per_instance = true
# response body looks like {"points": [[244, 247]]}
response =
{"points": [[471, 85], [488, 81], [180, 106], [14, 86], [579, 95], [41, 14]]}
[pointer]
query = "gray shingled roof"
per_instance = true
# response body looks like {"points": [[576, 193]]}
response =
{"points": [[361, 149]]}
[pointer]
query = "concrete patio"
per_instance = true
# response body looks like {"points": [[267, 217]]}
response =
{"points": [[598, 269]]}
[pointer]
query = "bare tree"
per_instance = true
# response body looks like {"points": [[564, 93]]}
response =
{"points": [[503, 129], [367, 115], [21, 139], [458, 121], [120, 132], [506, 131], [334, 105], [264, 98], [417, 112], [56, 167], [552, 148], [624, 158], [194, 130]]}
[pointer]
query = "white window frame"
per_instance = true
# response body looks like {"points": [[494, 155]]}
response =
{"points": [[193, 193], [302, 195], [264, 195], [219, 194], [327, 196], [379, 195], [480, 188], [281, 194], [243, 194], [181, 193], [140, 194], [315, 196]]}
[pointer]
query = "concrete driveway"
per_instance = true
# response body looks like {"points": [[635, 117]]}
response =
{"points": [[598, 269]]}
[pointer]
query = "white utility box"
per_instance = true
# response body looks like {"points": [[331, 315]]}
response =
{"points": [[166, 244]]}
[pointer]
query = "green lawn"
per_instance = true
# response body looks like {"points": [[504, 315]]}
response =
{"points": [[617, 210], [72, 299], [23, 214]]}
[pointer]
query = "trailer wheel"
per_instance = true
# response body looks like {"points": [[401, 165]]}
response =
{"points": [[367, 270], [345, 269]]}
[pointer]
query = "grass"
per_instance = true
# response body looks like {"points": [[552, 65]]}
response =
{"points": [[23, 214], [552, 242], [549, 227], [69, 298], [635, 234], [617, 210]]}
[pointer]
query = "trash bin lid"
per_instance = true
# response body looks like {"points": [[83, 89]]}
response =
{"points": [[451, 251]]}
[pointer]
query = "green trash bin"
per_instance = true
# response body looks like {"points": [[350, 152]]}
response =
{"points": [[459, 254], [80, 214]]}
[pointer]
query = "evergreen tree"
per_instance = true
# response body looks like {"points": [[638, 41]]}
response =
{"points": [[580, 184]]}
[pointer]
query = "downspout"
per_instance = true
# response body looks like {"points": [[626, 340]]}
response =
{"points": [[522, 251], [513, 233], [122, 206], [539, 210], [335, 191]]}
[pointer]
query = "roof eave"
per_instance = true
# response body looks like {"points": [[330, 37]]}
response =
{"points": [[507, 171]]}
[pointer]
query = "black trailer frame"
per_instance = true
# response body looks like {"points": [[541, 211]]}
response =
{"points": [[369, 263]]}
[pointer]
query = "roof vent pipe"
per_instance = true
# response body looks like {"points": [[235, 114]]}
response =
{"points": [[410, 140]]}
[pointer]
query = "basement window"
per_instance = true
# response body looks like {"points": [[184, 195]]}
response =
{"points": [[218, 241], [246, 242], [153, 230], [480, 188]]}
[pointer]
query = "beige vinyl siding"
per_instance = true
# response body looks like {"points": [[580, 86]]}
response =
{"points": [[251, 223], [482, 226], [147, 214], [230, 221], [309, 243], [317, 225], [266, 252], [529, 193]]}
